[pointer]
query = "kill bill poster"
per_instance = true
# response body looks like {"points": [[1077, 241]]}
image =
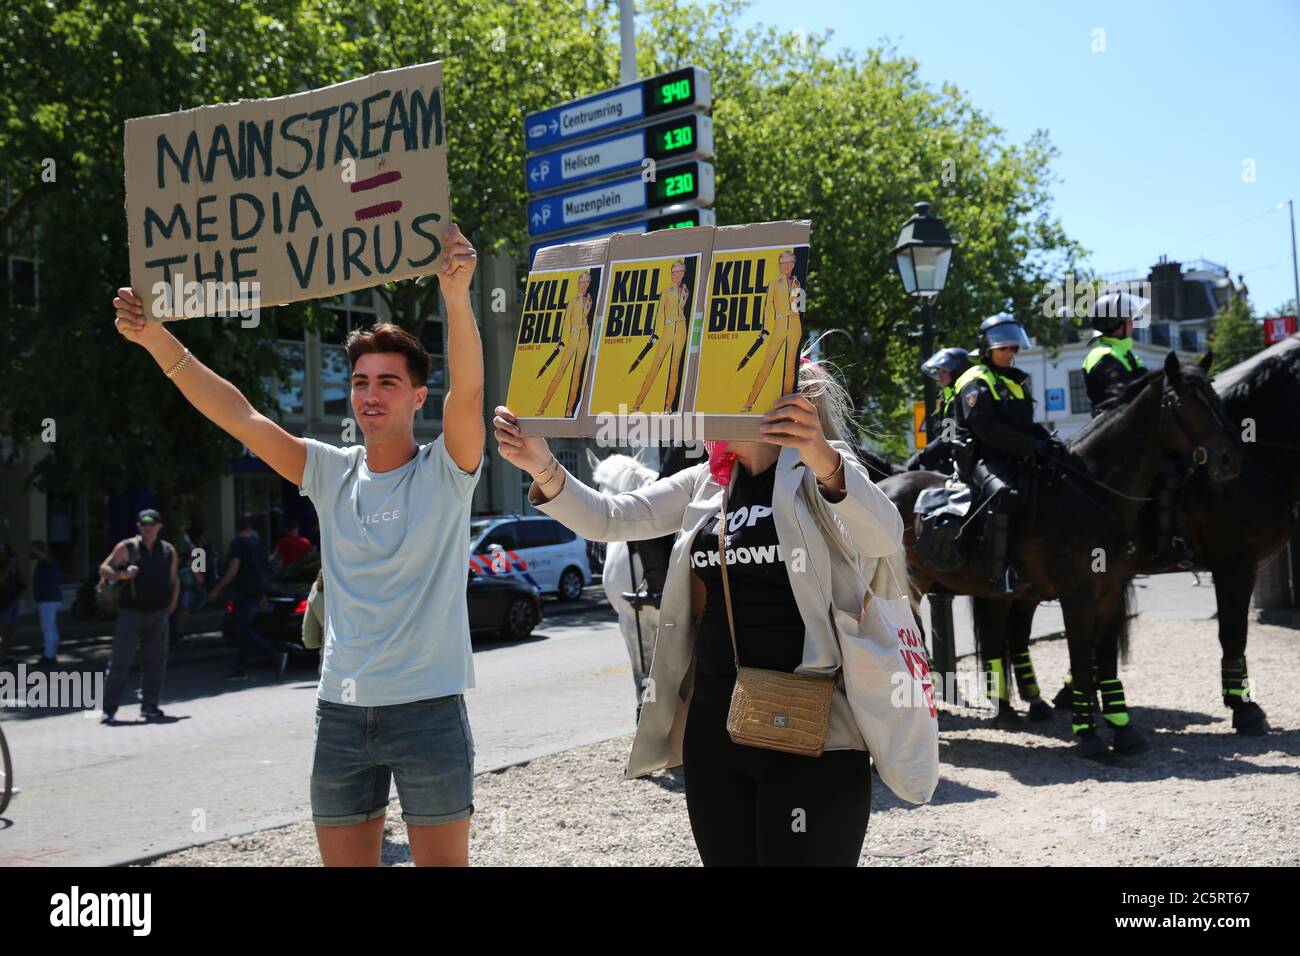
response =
{"points": [[551, 350], [645, 335], [753, 328]]}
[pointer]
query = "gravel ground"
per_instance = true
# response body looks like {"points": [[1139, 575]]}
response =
{"points": [[1200, 796]]}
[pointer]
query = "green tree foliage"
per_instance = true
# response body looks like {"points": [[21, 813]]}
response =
{"points": [[849, 139], [1236, 335]]}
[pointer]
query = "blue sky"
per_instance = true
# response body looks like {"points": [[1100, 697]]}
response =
{"points": [[1152, 132]]}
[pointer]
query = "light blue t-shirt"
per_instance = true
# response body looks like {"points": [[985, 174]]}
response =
{"points": [[395, 548]]}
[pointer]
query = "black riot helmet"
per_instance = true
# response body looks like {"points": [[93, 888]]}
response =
{"points": [[951, 360], [1110, 311], [999, 330]]}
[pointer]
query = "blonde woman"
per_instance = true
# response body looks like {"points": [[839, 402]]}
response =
{"points": [[747, 805]]}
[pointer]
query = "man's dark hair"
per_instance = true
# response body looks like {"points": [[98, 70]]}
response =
{"points": [[245, 523], [387, 337], [291, 528]]}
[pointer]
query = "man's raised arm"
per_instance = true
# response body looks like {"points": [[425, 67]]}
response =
{"points": [[463, 428], [217, 399]]}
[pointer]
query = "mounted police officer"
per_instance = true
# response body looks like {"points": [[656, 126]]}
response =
{"points": [[1111, 363], [1001, 441], [945, 367], [1108, 368]]}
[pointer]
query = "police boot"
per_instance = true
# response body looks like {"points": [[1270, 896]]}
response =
{"points": [[1171, 549], [998, 571]]}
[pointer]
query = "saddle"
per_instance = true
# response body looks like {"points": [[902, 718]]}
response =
{"points": [[941, 515]]}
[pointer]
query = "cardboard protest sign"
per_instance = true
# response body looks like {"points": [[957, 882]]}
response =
{"points": [[289, 198], [753, 325], [644, 336], [688, 334], [552, 349]]}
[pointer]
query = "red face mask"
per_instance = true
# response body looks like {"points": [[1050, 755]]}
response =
{"points": [[720, 461]]}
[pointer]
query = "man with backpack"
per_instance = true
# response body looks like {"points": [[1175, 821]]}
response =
{"points": [[146, 567], [248, 568]]}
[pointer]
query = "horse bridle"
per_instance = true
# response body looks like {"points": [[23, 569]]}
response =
{"points": [[1222, 426]]}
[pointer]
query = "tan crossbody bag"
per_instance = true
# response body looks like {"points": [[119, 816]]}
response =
{"points": [[773, 709]]}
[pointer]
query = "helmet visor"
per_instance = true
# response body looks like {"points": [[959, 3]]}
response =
{"points": [[1006, 334], [945, 360]]}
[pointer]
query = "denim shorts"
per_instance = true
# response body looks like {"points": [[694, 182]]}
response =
{"points": [[425, 745]]}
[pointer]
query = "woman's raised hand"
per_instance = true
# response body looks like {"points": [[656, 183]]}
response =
{"points": [[529, 454]]}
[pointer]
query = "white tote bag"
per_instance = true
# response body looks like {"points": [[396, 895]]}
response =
{"points": [[887, 682]]}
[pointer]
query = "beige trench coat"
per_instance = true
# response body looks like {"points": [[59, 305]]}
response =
{"points": [[821, 576]]}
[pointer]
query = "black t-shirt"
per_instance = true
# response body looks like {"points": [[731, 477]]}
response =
{"points": [[245, 583], [769, 629]]}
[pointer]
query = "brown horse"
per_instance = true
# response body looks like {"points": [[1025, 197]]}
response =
{"points": [[1073, 540]]}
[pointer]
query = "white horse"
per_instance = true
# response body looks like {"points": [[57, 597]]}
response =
{"points": [[622, 573]]}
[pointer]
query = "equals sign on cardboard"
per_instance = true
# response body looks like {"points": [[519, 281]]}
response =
{"points": [[379, 209]]}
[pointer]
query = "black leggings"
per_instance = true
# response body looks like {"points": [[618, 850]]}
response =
{"points": [[745, 802]]}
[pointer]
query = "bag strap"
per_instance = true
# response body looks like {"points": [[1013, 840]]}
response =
{"points": [[726, 587], [133, 557]]}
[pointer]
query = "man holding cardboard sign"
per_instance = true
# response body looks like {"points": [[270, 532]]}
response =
{"points": [[394, 520]]}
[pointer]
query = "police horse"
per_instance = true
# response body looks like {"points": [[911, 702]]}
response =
{"points": [[1231, 526], [1074, 538]]}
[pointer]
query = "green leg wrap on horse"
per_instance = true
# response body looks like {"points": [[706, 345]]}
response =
{"points": [[1235, 681], [995, 679], [1113, 708], [1026, 680], [1080, 711]]}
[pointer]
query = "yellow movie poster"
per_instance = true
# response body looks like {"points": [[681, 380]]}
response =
{"points": [[753, 326], [645, 336], [550, 363]]}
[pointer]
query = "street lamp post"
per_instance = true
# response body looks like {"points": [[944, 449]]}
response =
{"points": [[923, 253]]}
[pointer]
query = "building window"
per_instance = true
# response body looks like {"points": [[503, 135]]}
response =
{"points": [[21, 278], [290, 392], [352, 310], [334, 380], [1079, 403], [431, 336]]}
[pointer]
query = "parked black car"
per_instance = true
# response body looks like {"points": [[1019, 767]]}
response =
{"points": [[504, 607]]}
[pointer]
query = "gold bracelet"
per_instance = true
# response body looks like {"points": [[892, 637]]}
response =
{"points": [[552, 466], [838, 469], [184, 360]]}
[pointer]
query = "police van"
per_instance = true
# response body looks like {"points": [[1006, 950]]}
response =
{"points": [[534, 548]]}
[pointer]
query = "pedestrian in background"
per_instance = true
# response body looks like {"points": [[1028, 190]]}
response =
{"points": [[292, 547], [11, 590], [47, 592], [148, 564], [248, 575], [193, 594]]}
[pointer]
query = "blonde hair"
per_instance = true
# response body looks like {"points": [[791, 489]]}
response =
{"points": [[818, 381]]}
